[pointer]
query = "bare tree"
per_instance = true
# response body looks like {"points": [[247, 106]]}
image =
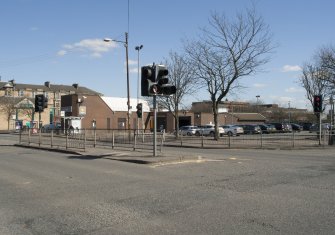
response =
{"points": [[314, 80], [326, 58], [227, 51], [181, 75], [7, 106]]}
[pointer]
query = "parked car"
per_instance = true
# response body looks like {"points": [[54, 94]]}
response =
{"points": [[268, 128], [208, 130], [315, 127], [282, 127], [251, 129], [188, 130], [296, 127], [306, 125], [229, 130], [49, 127], [239, 129]]}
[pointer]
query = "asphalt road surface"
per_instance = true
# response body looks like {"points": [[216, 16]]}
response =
{"points": [[224, 192]]}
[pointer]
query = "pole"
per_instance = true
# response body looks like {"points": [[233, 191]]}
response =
{"points": [[320, 128], [155, 126], [128, 92]]}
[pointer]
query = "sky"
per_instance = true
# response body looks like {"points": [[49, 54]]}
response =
{"points": [[62, 42]]}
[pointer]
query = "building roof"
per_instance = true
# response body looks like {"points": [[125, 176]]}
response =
{"points": [[120, 104], [53, 88], [249, 117]]}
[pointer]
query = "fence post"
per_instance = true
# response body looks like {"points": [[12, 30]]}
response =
{"points": [[113, 139], [28, 136], [85, 140], [228, 141], [39, 137], [52, 138], [293, 139], [261, 139], [202, 140], [95, 138], [135, 137], [20, 136], [67, 139], [162, 141]]}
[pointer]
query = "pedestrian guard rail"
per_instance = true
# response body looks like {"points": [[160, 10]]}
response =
{"points": [[81, 139]]}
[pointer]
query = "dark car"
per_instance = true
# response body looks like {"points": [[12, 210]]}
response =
{"points": [[296, 127], [282, 127], [268, 128], [306, 125], [251, 129], [49, 127]]}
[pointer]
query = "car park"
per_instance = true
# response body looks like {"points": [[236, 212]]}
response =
{"points": [[188, 130]]}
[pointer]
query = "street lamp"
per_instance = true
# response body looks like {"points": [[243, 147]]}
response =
{"points": [[289, 112], [138, 48], [257, 97], [125, 43]]}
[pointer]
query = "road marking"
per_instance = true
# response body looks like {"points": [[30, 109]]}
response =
{"points": [[199, 160]]}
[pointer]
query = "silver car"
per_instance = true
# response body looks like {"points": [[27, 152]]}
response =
{"points": [[188, 130]]}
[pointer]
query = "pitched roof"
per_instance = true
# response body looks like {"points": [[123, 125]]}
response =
{"points": [[120, 104], [249, 116], [53, 88]]}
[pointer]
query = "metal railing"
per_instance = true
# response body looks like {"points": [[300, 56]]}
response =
{"points": [[80, 139], [277, 140], [143, 140]]}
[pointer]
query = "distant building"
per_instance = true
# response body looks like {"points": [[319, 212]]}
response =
{"points": [[23, 98]]}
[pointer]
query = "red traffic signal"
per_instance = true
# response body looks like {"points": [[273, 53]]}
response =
{"points": [[317, 103]]}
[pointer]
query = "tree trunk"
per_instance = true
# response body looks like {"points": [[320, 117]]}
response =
{"points": [[176, 122], [215, 115]]}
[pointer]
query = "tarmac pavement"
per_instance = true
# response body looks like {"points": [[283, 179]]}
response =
{"points": [[138, 156]]}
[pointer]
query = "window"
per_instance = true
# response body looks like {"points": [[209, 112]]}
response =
{"points": [[21, 93]]}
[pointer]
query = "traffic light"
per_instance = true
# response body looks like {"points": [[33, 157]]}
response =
{"points": [[139, 110], [45, 102], [154, 81], [317, 104], [147, 80], [39, 103], [162, 80]]}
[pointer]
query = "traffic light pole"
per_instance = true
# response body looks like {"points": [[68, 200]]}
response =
{"points": [[155, 126], [39, 120], [320, 128]]}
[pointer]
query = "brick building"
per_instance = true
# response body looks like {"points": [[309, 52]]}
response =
{"points": [[17, 102]]}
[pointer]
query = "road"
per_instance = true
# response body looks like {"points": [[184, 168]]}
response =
{"points": [[224, 192]]}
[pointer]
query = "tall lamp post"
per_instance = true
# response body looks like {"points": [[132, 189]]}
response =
{"points": [[289, 112], [125, 43], [138, 48], [257, 97]]}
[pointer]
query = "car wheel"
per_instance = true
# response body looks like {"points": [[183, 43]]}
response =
{"points": [[197, 133], [189, 134], [230, 133], [211, 134]]}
